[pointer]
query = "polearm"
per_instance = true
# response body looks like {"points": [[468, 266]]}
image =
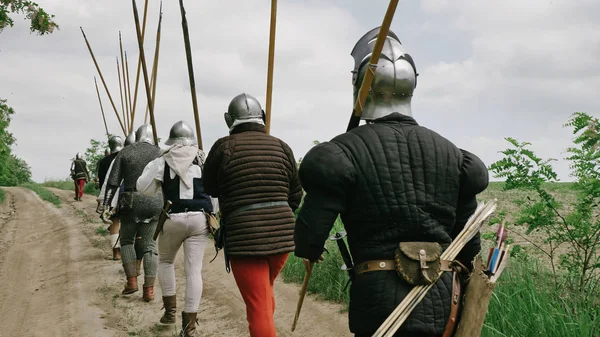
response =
{"points": [[137, 76], [124, 83], [155, 63], [271, 64], [145, 70], [188, 53], [103, 82], [309, 268], [365, 87], [129, 94], [101, 108], [121, 93]]}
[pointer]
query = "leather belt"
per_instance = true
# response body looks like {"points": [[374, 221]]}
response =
{"points": [[379, 265]]}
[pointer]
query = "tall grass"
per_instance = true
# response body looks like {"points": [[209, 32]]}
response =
{"points": [[43, 193]]}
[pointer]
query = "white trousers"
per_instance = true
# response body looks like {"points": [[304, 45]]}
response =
{"points": [[190, 230]]}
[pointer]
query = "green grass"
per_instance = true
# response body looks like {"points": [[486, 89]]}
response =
{"points": [[2, 196], [101, 230], [43, 193], [524, 303], [69, 185]]}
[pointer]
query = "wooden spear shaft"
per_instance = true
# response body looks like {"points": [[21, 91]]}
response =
{"points": [[129, 94], [139, 66], [188, 52], [145, 70], [101, 108], [121, 93], [103, 81], [127, 116], [365, 87], [271, 63], [155, 64]]}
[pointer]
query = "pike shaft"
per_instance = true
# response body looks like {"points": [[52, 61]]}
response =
{"points": [[129, 94], [271, 64], [145, 70], [102, 79], [365, 87], [139, 66], [309, 269], [155, 65], [121, 93], [188, 52], [101, 108], [127, 116]]}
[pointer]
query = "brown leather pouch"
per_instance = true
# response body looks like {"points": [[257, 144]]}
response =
{"points": [[418, 263]]}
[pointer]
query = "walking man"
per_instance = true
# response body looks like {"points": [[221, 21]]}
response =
{"points": [[177, 174], [254, 176], [400, 188], [80, 175], [138, 213], [115, 143]]}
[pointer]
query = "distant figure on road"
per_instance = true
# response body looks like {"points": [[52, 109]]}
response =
{"points": [[177, 174], [80, 175], [254, 175]]}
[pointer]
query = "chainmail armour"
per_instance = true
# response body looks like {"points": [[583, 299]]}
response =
{"points": [[138, 213]]}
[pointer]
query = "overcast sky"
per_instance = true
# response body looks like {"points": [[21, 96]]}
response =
{"points": [[488, 70]]}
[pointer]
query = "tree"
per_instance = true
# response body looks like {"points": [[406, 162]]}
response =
{"points": [[13, 170], [574, 228], [93, 154], [40, 21]]}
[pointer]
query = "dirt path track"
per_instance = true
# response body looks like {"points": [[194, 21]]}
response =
{"points": [[57, 279]]}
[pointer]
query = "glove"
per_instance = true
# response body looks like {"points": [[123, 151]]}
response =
{"points": [[106, 214]]}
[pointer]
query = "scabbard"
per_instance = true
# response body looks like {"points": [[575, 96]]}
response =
{"points": [[164, 215], [346, 257]]}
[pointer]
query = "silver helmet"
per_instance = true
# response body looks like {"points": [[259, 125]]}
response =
{"points": [[78, 155], [144, 134], [130, 139], [115, 143], [243, 106], [395, 76], [181, 134]]}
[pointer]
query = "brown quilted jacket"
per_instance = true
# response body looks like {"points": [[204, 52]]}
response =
{"points": [[248, 167]]}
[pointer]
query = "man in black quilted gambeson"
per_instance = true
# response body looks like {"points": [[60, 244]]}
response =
{"points": [[392, 181]]}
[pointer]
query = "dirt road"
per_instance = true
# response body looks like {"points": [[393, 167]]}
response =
{"points": [[57, 278]]}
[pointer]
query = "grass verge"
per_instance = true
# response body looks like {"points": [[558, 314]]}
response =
{"points": [[43, 193], [69, 185], [2, 196]]}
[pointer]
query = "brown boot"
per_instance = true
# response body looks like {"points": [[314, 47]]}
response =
{"points": [[116, 254], [170, 303], [148, 293], [188, 324], [131, 286], [138, 267]]}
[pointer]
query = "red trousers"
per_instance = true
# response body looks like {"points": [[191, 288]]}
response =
{"points": [[79, 185], [255, 277]]}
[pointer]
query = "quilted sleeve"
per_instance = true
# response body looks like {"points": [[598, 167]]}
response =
{"points": [[295, 192], [212, 165], [474, 180], [327, 175]]}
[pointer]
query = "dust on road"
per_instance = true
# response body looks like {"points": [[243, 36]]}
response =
{"points": [[57, 278]]}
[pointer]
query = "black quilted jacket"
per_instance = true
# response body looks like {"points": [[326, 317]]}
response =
{"points": [[392, 181]]}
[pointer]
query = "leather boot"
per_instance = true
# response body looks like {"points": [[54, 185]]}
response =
{"points": [[138, 267], [170, 303], [188, 324], [131, 286], [148, 293], [116, 254]]}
